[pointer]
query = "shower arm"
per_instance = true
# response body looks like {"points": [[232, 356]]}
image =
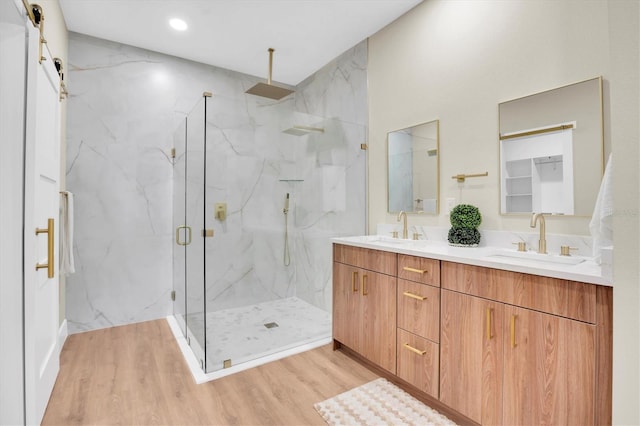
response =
{"points": [[271, 50]]}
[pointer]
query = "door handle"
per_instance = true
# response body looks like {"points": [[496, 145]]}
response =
{"points": [[354, 278], [188, 241], [364, 285], [49, 231], [513, 331]]}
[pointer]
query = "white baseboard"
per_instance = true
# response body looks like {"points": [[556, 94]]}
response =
{"points": [[63, 333]]}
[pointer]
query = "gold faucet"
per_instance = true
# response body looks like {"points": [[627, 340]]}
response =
{"points": [[542, 242], [405, 233]]}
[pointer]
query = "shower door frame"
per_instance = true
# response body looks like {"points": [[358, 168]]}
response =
{"points": [[189, 237]]}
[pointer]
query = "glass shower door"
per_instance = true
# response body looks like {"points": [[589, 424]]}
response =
{"points": [[179, 226], [194, 208]]}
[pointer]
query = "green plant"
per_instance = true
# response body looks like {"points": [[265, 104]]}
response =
{"points": [[465, 218]]}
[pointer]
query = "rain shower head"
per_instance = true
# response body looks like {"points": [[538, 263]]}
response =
{"points": [[302, 130], [268, 90]]}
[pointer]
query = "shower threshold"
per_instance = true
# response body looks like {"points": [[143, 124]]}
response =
{"points": [[243, 336]]}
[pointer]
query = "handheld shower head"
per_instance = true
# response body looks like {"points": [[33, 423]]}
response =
{"points": [[286, 205]]}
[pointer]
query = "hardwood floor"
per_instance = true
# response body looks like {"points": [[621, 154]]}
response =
{"points": [[135, 374]]}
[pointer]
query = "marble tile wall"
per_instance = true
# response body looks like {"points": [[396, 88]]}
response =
{"points": [[124, 107]]}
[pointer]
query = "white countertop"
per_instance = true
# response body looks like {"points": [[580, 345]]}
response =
{"points": [[580, 269]]}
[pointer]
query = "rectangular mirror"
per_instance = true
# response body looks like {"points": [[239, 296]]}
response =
{"points": [[552, 150], [414, 169]]}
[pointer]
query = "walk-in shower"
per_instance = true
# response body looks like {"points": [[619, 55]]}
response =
{"points": [[250, 284]]}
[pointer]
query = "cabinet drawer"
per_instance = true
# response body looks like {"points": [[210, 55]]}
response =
{"points": [[569, 299], [418, 362], [419, 269], [419, 309], [373, 260]]}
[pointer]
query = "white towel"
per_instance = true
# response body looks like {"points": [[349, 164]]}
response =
{"points": [[66, 234], [601, 225]]}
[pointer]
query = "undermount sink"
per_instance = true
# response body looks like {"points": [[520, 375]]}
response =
{"points": [[538, 257]]}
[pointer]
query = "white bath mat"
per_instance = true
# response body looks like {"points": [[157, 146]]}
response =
{"points": [[378, 403]]}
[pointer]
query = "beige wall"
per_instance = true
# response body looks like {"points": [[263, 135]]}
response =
{"points": [[624, 17], [456, 60], [56, 34]]}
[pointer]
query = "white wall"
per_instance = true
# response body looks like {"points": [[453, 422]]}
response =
{"points": [[457, 60]]}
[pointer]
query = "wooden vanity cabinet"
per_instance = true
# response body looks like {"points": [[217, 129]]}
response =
{"points": [[498, 347], [504, 363], [364, 303], [418, 349]]}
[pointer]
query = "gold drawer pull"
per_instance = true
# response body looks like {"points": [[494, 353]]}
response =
{"points": [[354, 279], [419, 271], [364, 285], [412, 349], [513, 331], [489, 324], [414, 296]]}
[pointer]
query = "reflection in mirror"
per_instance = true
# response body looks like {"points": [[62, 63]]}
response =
{"points": [[413, 169], [551, 150]]}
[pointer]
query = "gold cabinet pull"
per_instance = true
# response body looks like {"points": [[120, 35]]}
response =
{"points": [[419, 271], [414, 296], [49, 231], [488, 323], [364, 285], [513, 331], [354, 278], [188, 229], [412, 349]]}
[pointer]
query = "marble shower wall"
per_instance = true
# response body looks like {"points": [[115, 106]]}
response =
{"points": [[332, 199], [125, 105]]}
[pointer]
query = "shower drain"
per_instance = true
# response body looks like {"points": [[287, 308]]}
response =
{"points": [[271, 324]]}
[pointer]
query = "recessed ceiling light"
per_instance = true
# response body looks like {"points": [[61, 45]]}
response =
{"points": [[178, 24]]}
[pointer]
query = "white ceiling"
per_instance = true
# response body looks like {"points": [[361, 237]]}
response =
{"points": [[235, 34]]}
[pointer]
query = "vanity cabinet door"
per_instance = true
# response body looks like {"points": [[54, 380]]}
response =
{"points": [[549, 369], [364, 313], [346, 305], [471, 345], [378, 303]]}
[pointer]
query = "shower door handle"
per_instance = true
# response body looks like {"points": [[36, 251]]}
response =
{"points": [[188, 241]]}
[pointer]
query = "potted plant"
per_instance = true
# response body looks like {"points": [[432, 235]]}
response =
{"points": [[465, 220]]}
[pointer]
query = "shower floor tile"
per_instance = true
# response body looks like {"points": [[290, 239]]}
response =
{"points": [[246, 333]]}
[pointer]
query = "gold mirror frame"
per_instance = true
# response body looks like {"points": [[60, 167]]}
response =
{"points": [[579, 105], [430, 127]]}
